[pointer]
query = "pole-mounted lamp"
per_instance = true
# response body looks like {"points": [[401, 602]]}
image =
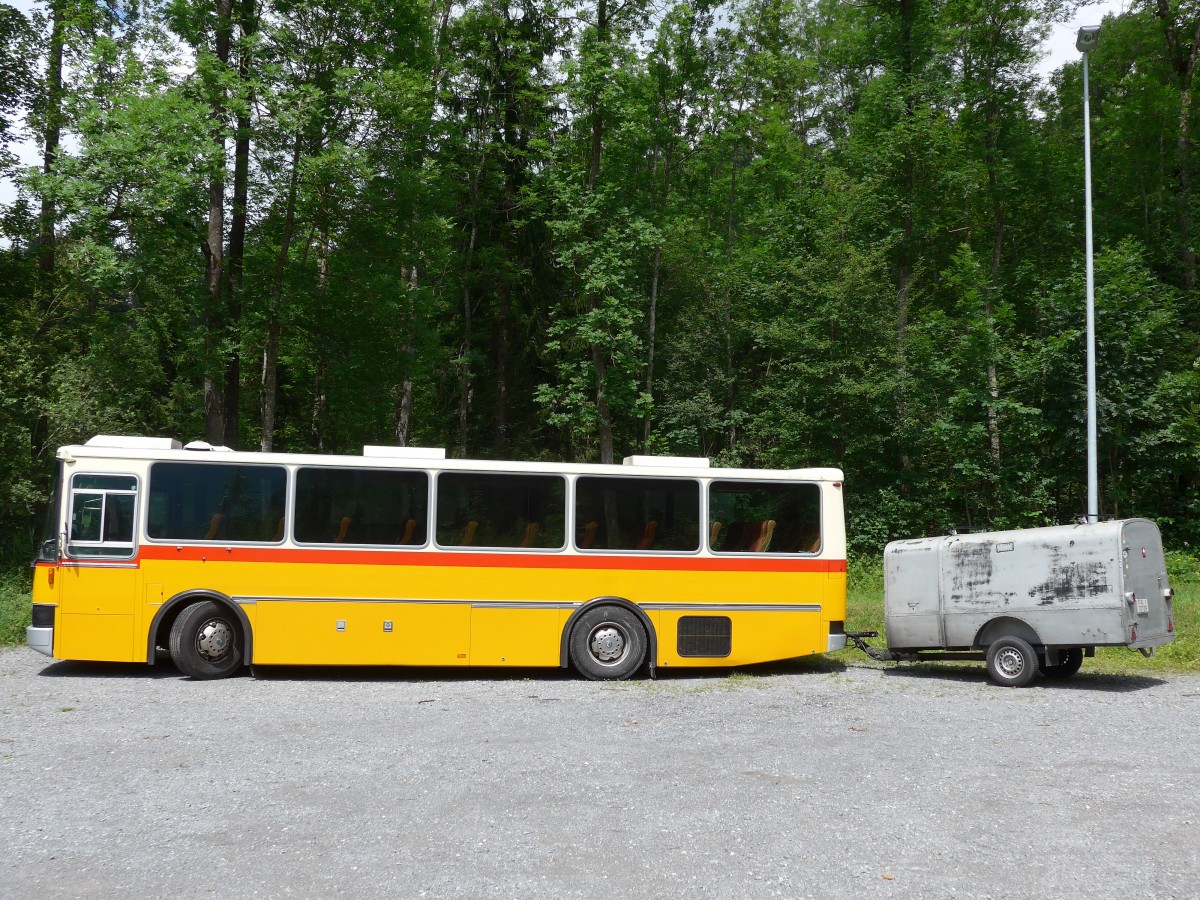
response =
{"points": [[1085, 42]]}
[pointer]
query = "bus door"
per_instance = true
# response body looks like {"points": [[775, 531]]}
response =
{"points": [[98, 574]]}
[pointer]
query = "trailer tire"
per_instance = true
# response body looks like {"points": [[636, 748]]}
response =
{"points": [[1011, 661], [1071, 660]]}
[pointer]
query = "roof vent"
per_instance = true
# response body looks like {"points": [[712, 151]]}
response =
{"points": [[206, 446], [404, 452], [132, 443], [662, 462]]}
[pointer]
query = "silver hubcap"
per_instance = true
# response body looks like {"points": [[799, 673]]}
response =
{"points": [[608, 644], [214, 640], [1010, 662]]}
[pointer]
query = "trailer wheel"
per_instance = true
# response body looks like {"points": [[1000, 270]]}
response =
{"points": [[1071, 660], [1011, 661]]}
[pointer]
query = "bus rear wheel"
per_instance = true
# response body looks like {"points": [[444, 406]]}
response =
{"points": [[608, 643], [206, 641]]}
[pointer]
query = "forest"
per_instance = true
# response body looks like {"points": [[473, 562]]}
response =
{"points": [[776, 233]]}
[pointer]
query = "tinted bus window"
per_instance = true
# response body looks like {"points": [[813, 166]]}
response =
{"points": [[637, 514], [213, 502], [745, 517], [511, 511], [361, 506]]}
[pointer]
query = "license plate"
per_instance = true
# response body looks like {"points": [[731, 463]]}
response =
{"points": [[1142, 604]]}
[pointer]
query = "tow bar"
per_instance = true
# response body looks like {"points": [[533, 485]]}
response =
{"points": [[858, 639]]}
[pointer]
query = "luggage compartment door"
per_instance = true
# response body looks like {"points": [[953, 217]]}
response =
{"points": [[912, 597]]}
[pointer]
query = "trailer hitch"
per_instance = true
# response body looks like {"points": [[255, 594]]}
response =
{"points": [[857, 638]]}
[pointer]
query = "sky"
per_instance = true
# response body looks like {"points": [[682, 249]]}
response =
{"points": [[1059, 48]]}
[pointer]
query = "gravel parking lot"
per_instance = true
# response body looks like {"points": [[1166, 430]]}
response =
{"points": [[807, 779]]}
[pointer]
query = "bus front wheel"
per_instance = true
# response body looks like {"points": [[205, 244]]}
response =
{"points": [[206, 641], [608, 643]]}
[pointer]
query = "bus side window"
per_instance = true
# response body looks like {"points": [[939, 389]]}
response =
{"points": [[766, 517]]}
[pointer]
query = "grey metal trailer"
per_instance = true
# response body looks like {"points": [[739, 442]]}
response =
{"points": [[1038, 599]]}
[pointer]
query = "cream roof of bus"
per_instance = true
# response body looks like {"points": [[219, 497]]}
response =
{"points": [[141, 450]]}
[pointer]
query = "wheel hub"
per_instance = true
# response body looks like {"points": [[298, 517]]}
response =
{"points": [[214, 639], [607, 644], [1010, 662]]}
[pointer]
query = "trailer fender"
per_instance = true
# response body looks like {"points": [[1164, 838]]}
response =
{"points": [[1006, 626]]}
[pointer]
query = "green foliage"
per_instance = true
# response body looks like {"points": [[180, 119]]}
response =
{"points": [[15, 608]]}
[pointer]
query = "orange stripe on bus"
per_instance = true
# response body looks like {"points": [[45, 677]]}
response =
{"points": [[488, 560]]}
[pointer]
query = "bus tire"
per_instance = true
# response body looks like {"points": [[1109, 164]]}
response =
{"points": [[1071, 660], [1011, 661], [206, 641], [608, 643]]}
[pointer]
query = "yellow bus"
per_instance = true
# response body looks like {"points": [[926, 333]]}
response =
{"points": [[403, 557]]}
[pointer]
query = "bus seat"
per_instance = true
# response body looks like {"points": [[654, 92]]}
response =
{"points": [[343, 529], [764, 536], [589, 535], [810, 538], [648, 535], [214, 527], [714, 532], [469, 534], [531, 533], [279, 530], [409, 527]]}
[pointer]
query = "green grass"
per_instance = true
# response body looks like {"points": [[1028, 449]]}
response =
{"points": [[864, 612], [15, 609]]}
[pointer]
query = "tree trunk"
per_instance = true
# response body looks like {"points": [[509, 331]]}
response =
{"points": [[404, 403], [51, 140], [270, 380], [237, 236], [215, 275], [465, 386], [599, 363]]}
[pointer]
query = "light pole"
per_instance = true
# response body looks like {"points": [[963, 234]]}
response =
{"points": [[1085, 42]]}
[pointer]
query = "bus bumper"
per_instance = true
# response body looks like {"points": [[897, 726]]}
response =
{"points": [[836, 642], [40, 639]]}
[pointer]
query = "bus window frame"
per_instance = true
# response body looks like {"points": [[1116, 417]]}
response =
{"points": [[701, 483], [288, 482], [567, 483], [289, 532], [71, 547], [743, 554]]}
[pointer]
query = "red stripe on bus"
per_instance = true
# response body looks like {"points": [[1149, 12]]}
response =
{"points": [[754, 563]]}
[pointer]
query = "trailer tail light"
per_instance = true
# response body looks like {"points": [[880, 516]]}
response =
{"points": [[1170, 626], [1133, 634]]}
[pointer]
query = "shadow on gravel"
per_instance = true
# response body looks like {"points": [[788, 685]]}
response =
{"points": [[164, 669], [974, 673], [804, 665], [403, 674], [73, 669]]}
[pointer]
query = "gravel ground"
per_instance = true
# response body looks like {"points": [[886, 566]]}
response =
{"points": [[807, 779]]}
